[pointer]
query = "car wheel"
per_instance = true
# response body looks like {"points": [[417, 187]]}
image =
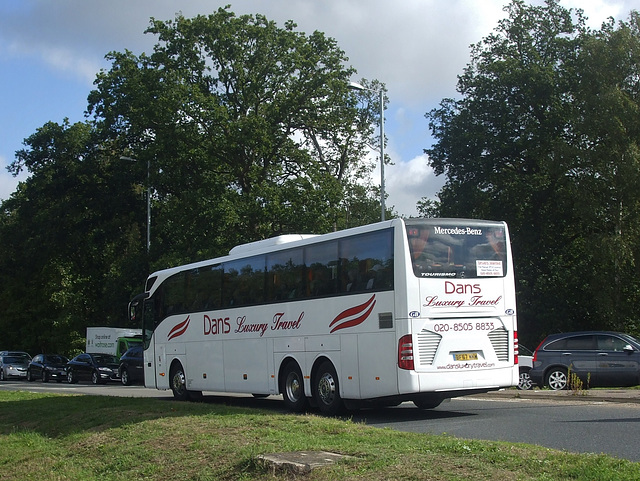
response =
{"points": [[556, 379], [292, 388], [45, 376], [524, 382], [29, 377], [326, 390], [71, 378], [95, 377], [124, 377], [2, 374]]}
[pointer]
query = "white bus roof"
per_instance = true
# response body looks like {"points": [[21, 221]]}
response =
{"points": [[272, 241]]}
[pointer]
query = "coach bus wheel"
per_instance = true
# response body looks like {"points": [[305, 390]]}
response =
{"points": [[326, 392], [292, 388], [427, 402], [178, 383]]}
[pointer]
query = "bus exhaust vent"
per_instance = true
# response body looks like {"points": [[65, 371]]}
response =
{"points": [[500, 342], [428, 343]]}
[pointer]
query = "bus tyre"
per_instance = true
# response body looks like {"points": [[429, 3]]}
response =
{"points": [[557, 379], [427, 402], [326, 392], [292, 388], [178, 382]]}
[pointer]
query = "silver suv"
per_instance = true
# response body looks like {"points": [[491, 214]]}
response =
{"points": [[596, 358]]}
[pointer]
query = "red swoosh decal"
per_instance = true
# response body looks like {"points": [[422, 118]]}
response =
{"points": [[362, 311], [179, 329]]}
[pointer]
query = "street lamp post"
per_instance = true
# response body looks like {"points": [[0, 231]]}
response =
{"points": [[148, 199], [357, 86]]}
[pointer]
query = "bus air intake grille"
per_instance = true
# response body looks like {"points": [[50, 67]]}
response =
{"points": [[500, 341], [428, 343]]}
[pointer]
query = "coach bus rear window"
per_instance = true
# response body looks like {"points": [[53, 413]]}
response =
{"points": [[457, 251]]}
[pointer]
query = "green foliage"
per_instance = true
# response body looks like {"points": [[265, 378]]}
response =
{"points": [[240, 130], [546, 136]]}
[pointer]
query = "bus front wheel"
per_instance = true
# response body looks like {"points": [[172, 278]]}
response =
{"points": [[292, 388], [178, 382], [326, 392]]}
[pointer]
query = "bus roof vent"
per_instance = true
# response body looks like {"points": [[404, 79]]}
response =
{"points": [[271, 242]]}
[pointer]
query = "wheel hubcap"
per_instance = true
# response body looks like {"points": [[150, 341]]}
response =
{"points": [[178, 382], [557, 380], [327, 388], [294, 388]]}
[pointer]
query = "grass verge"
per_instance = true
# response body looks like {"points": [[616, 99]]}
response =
{"points": [[57, 437]]}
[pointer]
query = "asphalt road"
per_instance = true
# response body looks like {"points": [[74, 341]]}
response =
{"points": [[581, 426]]}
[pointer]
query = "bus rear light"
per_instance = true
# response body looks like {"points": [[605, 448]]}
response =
{"points": [[405, 353], [516, 348]]}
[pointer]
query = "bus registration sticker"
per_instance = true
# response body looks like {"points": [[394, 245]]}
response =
{"points": [[466, 356]]}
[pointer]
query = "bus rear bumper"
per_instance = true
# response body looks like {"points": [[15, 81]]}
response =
{"points": [[457, 382]]}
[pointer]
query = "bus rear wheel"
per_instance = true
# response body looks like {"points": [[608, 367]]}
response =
{"points": [[326, 391], [427, 402], [292, 388]]}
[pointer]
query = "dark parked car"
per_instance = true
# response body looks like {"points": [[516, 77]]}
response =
{"points": [[13, 364], [597, 358], [131, 366], [97, 368], [46, 367]]}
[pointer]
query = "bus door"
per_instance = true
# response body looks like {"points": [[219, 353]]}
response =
{"points": [[148, 339]]}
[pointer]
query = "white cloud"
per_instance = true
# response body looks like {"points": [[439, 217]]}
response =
{"points": [[8, 182], [408, 182]]}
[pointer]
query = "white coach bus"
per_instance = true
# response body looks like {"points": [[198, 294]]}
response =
{"points": [[403, 310]]}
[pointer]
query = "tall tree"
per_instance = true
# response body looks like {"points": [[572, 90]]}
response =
{"points": [[71, 255], [520, 145], [249, 128], [239, 129]]}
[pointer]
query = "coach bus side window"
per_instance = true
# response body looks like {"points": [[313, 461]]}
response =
{"points": [[285, 275], [244, 281], [322, 268], [174, 295], [207, 285], [367, 262]]}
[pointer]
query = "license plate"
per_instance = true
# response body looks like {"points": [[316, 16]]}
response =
{"points": [[466, 356]]}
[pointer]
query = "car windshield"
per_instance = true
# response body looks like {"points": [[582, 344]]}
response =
{"points": [[104, 358], [630, 338], [15, 359], [56, 359]]}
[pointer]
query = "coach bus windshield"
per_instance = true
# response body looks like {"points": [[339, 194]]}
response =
{"points": [[457, 250]]}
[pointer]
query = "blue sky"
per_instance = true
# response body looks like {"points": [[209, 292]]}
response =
{"points": [[50, 52]]}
